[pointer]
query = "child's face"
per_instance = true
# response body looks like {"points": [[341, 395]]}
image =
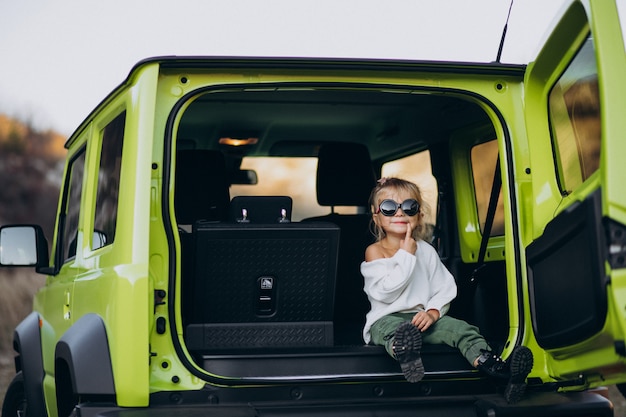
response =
{"points": [[398, 223]]}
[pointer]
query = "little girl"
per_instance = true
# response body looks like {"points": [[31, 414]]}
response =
{"points": [[410, 291]]}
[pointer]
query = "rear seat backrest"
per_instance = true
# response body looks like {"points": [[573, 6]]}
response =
{"points": [[201, 191], [345, 177]]}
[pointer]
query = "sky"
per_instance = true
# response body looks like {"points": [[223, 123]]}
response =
{"points": [[59, 59]]}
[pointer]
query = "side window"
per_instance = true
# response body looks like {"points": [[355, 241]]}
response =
{"points": [[484, 157], [417, 168], [574, 107], [108, 182], [71, 205]]}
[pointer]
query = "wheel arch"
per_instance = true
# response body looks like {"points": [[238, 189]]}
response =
{"points": [[27, 344], [82, 363]]}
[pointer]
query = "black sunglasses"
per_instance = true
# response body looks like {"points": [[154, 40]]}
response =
{"points": [[389, 207]]}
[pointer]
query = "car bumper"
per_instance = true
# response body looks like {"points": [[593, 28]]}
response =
{"points": [[536, 405]]}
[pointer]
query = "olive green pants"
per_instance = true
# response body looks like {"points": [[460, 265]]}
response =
{"points": [[447, 330]]}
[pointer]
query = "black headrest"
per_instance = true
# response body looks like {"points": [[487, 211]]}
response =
{"points": [[345, 176], [261, 209], [201, 186]]}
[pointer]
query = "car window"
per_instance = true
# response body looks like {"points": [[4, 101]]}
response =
{"points": [[71, 205], [574, 110], [294, 177], [108, 182], [484, 157]]}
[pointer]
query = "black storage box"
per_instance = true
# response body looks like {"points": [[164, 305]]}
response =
{"points": [[263, 285]]}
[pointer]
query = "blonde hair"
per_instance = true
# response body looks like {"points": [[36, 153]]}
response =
{"points": [[398, 184]]}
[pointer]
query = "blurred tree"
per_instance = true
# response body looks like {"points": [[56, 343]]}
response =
{"points": [[30, 173]]}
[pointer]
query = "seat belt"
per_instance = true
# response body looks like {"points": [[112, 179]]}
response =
{"points": [[491, 213]]}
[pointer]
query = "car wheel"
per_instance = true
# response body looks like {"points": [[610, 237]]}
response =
{"points": [[15, 398]]}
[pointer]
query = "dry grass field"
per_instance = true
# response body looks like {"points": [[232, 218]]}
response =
{"points": [[16, 297]]}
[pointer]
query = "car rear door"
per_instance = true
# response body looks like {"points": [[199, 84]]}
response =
{"points": [[575, 229]]}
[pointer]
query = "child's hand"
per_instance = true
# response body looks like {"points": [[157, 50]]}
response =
{"points": [[408, 243], [424, 319]]}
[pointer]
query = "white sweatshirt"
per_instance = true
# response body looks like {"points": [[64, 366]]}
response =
{"points": [[407, 283]]}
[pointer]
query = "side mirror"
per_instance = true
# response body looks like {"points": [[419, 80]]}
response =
{"points": [[23, 245], [99, 239]]}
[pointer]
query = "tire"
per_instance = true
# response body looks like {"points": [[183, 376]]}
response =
{"points": [[620, 387], [15, 398]]}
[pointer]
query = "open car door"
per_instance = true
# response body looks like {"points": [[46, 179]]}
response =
{"points": [[575, 244]]}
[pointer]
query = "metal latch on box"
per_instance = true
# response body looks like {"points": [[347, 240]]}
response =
{"points": [[266, 305]]}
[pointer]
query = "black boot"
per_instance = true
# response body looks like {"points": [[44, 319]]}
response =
{"points": [[493, 365], [520, 365], [515, 370], [407, 343]]}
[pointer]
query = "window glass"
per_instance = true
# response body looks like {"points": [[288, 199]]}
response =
{"points": [[484, 158], [294, 177], [71, 201], [574, 108], [417, 168], [108, 182]]}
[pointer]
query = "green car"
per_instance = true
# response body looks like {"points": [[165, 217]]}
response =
{"points": [[214, 215]]}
